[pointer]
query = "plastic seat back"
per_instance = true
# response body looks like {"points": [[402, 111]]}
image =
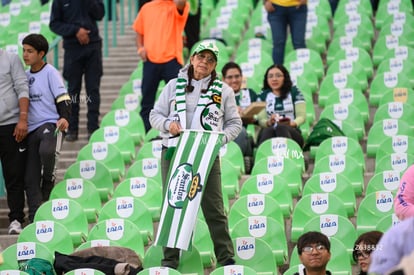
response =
{"points": [[150, 149], [232, 152], [147, 167], [17, 254], [384, 180], [85, 271], [159, 270], [202, 241], [234, 269]]}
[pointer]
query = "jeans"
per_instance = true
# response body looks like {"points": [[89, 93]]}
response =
{"points": [[279, 21], [152, 74]]}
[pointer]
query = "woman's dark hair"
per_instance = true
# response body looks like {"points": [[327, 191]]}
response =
{"points": [[190, 73], [228, 66], [287, 82], [370, 240], [313, 237]]}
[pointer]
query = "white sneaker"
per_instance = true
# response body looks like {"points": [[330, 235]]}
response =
{"points": [[15, 227]]}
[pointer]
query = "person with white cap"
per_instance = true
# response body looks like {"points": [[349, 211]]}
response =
{"points": [[199, 87]]}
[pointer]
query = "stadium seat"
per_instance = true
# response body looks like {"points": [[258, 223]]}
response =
{"points": [[159, 270], [202, 241], [386, 9], [395, 110], [354, 54], [395, 144], [97, 243], [106, 153], [94, 171], [150, 149], [384, 82], [145, 189], [387, 222], [384, 180], [69, 213], [307, 56], [338, 184], [230, 176], [231, 151], [85, 271], [18, 253], [395, 161], [152, 134], [266, 229], [119, 137], [348, 67], [403, 95], [384, 44], [122, 231], [234, 269], [130, 102], [51, 233], [81, 190], [334, 82], [132, 86], [132, 209], [372, 208], [254, 205], [12, 272], [272, 185], [147, 167], [254, 253], [313, 205]]}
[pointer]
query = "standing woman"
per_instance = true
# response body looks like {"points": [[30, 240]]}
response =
{"points": [[364, 246], [204, 95], [285, 106]]}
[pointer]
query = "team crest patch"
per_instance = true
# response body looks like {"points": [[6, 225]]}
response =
{"points": [[183, 185], [210, 117]]}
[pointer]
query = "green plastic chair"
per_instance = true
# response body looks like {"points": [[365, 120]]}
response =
{"points": [[395, 161], [385, 180], [85, 271], [132, 209], [372, 208], [398, 28], [254, 205], [334, 82], [348, 67], [51, 233], [386, 222], [304, 72], [97, 243], [19, 253], [230, 176], [344, 165], [133, 85], [202, 241], [384, 82], [384, 44], [350, 97], [266, 229], [397, 65], [272, 185], [69, 213], [190, 261], [106, 153], [337, 184], [130, 102], [341, 145], [357, 13], [254, 253], [344, 112], [307, 56], [354, 54], [146, 167], [284, 167], [386, 9], [119, 137], [13, 272], [150, 149], [395, 110], [335, 226], [314, 205], [343, 42], [159, 270], [395, 144], [131, 121], [385, 128], [234, 269], [122, 231], [81, 190], [403, 95], [231, 152], [94, 171], [146, 190], [151, 135]]}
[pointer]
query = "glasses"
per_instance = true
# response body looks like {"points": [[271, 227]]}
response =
{"points": [[209, 59], [362, 253], [310, 249], [277, 75], [237, 76]]}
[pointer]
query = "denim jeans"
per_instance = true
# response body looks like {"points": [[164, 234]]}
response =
{"points": [[279, 21]]}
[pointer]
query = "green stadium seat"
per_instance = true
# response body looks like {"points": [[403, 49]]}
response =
{"points": [[385, 180], [17, 254]]}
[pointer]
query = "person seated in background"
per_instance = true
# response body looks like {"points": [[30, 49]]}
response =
{"points": [[233, 76], [363, 247], [314, 253], [285, 107], [404, 200]]}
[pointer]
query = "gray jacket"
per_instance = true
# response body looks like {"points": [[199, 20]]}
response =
{"points": [[13, 86], [161, 115]]}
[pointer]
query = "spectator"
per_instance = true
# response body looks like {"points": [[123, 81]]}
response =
{"points": [[314, 253], [282, 14], [363, 247], [395, 244], [159, 27], [404, 201], [232, 75], [76, 23], [49, 113], [192, 26], [14, 106], [196, 79], [285, 106]]}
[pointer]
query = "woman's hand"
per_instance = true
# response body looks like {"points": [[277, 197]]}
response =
{"points": [[175, 128], [268, 6]]}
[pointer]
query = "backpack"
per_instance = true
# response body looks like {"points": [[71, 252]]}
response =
{"points": [[37, 266], [322, 130]]}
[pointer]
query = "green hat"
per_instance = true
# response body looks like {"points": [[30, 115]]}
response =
{"points": [[207, 46]]}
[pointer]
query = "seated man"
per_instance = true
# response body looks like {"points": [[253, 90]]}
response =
{"points": [[314, 253]]}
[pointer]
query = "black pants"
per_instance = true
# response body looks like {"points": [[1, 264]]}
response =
{"points": [[192, 28], [13, 161], [281, 131], [84, 61]]}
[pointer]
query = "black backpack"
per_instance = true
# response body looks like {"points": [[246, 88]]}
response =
{"points": [[322, 130]]}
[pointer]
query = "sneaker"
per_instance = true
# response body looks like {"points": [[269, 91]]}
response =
{"points": [[15, 227], [71, 136]]}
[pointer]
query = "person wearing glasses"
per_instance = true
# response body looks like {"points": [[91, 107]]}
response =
{"points": [[232, 75], [285, 107], [363, 247], [204, 95], [314, 253]]}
